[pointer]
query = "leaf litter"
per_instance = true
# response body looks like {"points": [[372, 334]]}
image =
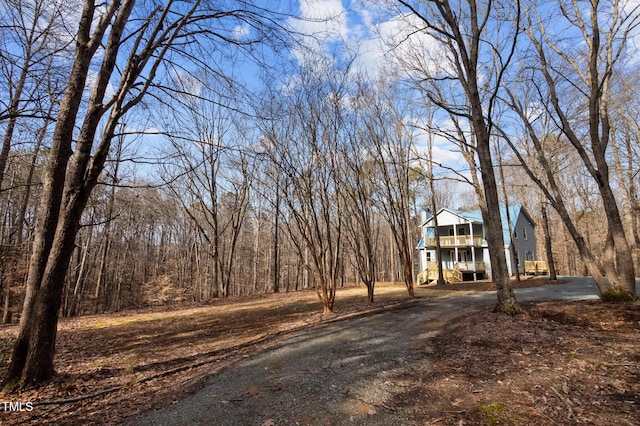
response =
{"points": [[559, 363]]}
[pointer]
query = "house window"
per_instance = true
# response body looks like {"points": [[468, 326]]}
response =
{"points": [[428, 256], [515, 233], [524, 232], [528, 255], [517, 256]]}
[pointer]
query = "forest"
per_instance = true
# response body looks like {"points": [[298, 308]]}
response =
{"points": [[165, 152]]}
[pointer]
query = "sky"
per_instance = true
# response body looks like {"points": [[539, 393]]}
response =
{"points": [[359, 28], [378, 36], [382, 36]]}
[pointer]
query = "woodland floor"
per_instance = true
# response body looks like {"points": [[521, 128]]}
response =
{"points": [[558, 363]]}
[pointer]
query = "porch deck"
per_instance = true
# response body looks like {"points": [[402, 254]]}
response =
{"points": [[461, 266]]}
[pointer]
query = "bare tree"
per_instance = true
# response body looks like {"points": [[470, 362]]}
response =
{"points": [[212, 176], [357, 169], [478, 46], [305, 146], [574, 88], [390, 144], [31, 44], [31, 48], [135, 43], [626, 131], [435, 197]]}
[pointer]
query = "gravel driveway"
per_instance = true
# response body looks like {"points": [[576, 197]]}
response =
{"points": [[339, 373]]}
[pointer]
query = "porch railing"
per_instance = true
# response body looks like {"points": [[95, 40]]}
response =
{"points": [[455, 241], [462, 266]]}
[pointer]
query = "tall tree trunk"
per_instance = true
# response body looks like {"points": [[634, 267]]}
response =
{"points": [[493, 224], [32, 356], [547, 243], [275, 271], [53, 184], [595, 67], [512, 245], [434, 207], [465, 31]]}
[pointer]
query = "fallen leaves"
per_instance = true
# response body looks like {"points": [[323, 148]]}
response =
{"points": [[561, 363]]}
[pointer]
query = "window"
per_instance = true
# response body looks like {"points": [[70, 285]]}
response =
{"points": [[515, 233], [428, 256], [524, 232]]}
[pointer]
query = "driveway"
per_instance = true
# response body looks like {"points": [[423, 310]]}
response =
{"points": [[338, 373]]}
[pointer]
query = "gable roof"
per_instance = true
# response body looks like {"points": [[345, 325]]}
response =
{"points": [[474, 216]]}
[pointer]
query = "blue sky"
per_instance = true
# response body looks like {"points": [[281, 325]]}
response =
{"points": [[379, 36]]}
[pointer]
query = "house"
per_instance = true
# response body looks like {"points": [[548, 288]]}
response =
{"points": [[465, 253]]}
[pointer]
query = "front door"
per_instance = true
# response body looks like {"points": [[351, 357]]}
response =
{"points": [[463, 257]]}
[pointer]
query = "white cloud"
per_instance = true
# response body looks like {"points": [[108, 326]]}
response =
{"points": [[397, 42], [382, 41], [632, 9], [323, 18], [319, 23], [443, 150], [241, 32]]}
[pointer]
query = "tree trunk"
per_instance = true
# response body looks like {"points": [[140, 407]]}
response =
{"points": [[53, 184], [275, 267], [623, 278], [493, 222], [512, 245], [42, 133], [7, 314], [32, 356], [38, 365], [547, 244], [441, 280]]}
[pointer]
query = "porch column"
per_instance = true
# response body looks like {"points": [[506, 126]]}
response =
{"points": [[455, 245], [473, 252]]}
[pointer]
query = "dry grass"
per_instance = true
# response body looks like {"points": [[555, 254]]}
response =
{"points": [[560, 363], [113, 366], [140, 357]]}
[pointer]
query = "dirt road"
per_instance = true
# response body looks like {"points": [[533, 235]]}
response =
{"points": [[340, 373]]}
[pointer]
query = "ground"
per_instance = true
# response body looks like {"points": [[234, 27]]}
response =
{"points": [[558, 363]]}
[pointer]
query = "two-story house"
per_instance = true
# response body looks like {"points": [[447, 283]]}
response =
{"points": [[464, 249]]}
